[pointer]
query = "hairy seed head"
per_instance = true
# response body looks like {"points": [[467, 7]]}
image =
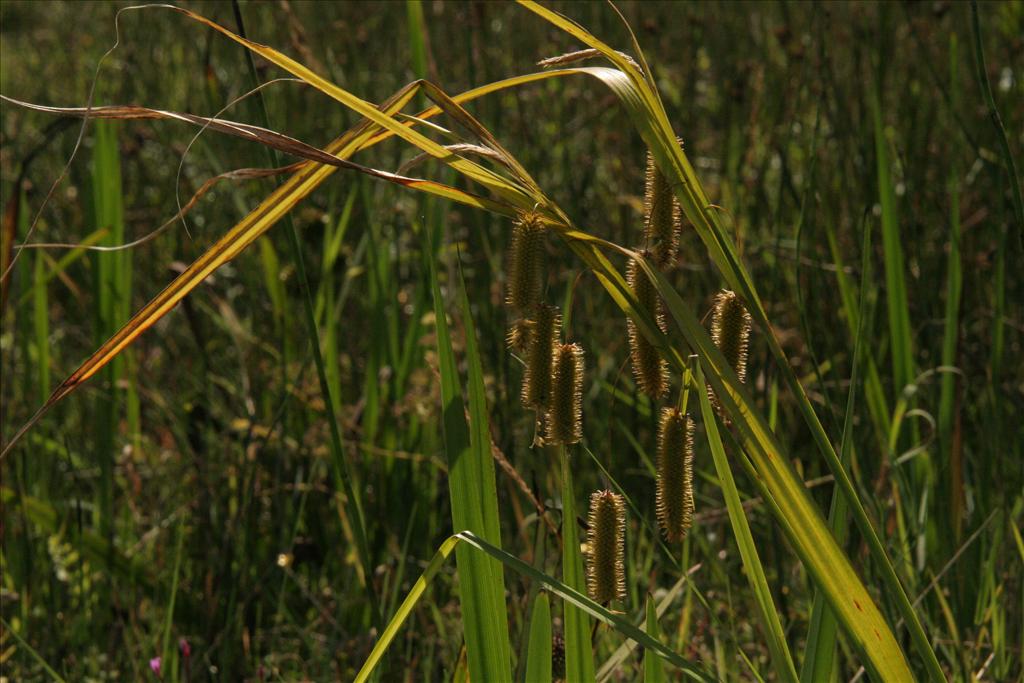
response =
{"points": [[540, 346], [606, 541], [526, 262], [662, 215], [649, 368], [730, 330], [675, 474], [565, 411], [518, 336]]}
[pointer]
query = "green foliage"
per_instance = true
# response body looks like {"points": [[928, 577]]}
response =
{"points": [[268, 462], [579, 654], [474, 502], [782, 661], [538, 652], [653, 670]]}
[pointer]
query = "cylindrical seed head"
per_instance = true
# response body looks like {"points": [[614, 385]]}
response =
{"points": [[662, 215], [606, 547], [565, 409], [649, 368], [540, 347], [675, 474], [525, 267], [730, 330]]}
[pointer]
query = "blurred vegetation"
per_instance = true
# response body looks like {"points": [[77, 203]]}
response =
{"points": [[181, 505]]}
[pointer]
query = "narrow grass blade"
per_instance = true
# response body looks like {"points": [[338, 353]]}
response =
{"points": [[538, 653], [486, 491], [782, 660], [481, 595], [41, 323], [405, 609], [417, 37], [895, 285], [579, 653], [482, 490], [165, 647], [951, 332], [820, 655], [245, 131], [111, 305], [654, 672]]}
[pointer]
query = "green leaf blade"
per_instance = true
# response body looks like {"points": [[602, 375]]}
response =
{"points": [[782, 660], [538, 653], [484, 614], [654, 672], [579, 653]]}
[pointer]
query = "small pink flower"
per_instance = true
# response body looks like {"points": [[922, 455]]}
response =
{"points": [[186, 649], [154, 664]]}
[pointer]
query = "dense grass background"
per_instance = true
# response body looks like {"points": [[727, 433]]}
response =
{"points": [[186, 494]]}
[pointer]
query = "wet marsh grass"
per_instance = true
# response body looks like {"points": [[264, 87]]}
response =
{"points": [[210, 514]]}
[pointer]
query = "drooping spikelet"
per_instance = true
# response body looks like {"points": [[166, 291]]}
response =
{"points": [[525, 268], [675, 474], [730, 330], [649, 368], [606, 547], [579, 56], [518, 336], [540, 346], [662, 215], [565, 409]]}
